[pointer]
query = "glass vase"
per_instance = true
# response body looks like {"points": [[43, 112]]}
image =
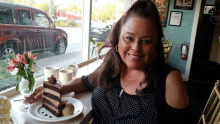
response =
{"points": [[26, 92]]}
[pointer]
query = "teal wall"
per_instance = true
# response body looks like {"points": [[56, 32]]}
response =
{"points": [[178, 35]]}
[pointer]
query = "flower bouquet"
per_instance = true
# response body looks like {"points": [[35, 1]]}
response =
{"points": [[23, 66]]}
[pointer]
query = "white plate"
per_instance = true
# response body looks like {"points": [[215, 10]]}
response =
{"points": [[37, 112], [16, 118]]}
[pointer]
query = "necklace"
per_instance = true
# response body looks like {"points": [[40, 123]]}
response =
{"points": [[122, 90]]}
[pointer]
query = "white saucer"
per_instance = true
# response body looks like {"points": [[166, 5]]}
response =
{"points": [[36, 111], [16, 118]]}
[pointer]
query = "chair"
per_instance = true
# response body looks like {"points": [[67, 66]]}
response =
{"points": [[167, 51], [166, 43], [211, 112]]}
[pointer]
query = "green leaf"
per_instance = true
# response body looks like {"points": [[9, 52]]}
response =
{"points": [[17, 85], [31, 82], [26, 59], [91, 40], [11, 57], [25, 77], [19, 65], [21, 73], [93, 49], [98, 44], [30, 64], [18, 79]]}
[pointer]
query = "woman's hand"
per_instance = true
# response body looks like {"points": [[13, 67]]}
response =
{"points": [[36, 95]]}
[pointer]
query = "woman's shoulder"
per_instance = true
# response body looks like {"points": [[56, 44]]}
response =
{"points": [[175, 93]]}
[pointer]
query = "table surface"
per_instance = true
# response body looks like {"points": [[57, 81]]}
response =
{"points": [[84, 97]]}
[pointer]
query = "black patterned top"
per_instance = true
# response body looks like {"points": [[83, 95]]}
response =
{"points": [[109, 108]]}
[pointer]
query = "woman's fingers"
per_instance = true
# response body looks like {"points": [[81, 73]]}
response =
{"points": [[35, 98], [36, 95], [39, 95]]}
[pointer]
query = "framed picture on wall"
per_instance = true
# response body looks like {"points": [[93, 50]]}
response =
{"points": [[175, 18], [184, 4], [163, 8]]}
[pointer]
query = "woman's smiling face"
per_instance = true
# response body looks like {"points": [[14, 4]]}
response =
{"points": [[137, 42]]}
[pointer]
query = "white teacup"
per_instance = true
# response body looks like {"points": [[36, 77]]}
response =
{"points": [[65, 76], [48, 71], [73, 68]]}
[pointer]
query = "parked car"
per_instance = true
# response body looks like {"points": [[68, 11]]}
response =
{"points": [[99, 34], [24, 28]]}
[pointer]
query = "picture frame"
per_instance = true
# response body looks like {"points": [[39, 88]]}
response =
{"points": [[163, 9], [175, 18], [184, 4]]}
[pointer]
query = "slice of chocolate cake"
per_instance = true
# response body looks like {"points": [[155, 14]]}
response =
{"points": [[52, 96]]}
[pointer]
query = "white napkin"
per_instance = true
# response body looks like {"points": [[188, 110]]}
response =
{"points": [[71, 94]]}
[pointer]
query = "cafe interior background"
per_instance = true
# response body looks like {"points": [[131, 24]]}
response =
{"points": [[196, 31]]}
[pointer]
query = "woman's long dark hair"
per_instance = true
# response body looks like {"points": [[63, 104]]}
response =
{"points": [[104, 76]]}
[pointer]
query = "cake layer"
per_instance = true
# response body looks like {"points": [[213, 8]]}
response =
{"points": [[52, 96], [52, 102], [52, 92], [53, 110], [54, 87]]}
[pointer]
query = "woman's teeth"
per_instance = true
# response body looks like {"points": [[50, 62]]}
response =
{"points": [[133, 56]]}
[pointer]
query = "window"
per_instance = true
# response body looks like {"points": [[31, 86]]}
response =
{"points": [[67, 16], [6, 15], [104, 16], [41, 20], [24, 17]]}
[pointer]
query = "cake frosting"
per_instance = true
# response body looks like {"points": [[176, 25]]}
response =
{"points": [[5, 107]]}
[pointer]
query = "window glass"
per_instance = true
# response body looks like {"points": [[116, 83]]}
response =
{"points": [[24, 17], [57, 46], [104, 15], [41, 20], [6, 15]]}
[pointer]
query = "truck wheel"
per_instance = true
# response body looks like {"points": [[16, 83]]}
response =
{"points": [[61, 46], [10, 49]]}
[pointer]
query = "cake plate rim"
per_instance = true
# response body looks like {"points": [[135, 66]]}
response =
{"points": [[33, 111]]}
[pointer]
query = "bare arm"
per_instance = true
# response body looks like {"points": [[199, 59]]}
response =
{"points": [[175, 93], [76, 86]]}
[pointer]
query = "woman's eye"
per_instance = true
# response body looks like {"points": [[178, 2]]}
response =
{"points": [[146, 41], [129, 38]]}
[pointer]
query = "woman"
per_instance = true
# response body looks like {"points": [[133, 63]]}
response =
{"points": [[133, 84]]}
